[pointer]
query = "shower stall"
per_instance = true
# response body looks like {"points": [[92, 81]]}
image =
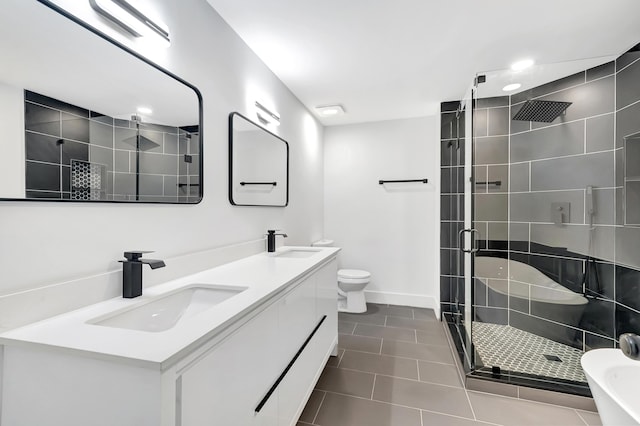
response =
{"points": [[540, 218]]}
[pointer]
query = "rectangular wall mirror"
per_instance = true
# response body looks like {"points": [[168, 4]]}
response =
{"points": [[258, 165], [86, 119]]}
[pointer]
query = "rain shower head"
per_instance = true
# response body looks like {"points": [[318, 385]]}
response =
{"points": [[541, 111]]}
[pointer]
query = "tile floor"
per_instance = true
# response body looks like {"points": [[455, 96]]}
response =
{"points": [[395, 368]]}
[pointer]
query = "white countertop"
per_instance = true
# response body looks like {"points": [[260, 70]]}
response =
{"points": [[264, 275]]}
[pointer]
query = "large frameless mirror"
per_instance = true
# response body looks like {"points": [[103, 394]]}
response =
{"points": [[258, 165], [86, 119]]}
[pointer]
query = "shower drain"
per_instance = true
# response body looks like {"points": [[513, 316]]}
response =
{"points": [[552, 358]]}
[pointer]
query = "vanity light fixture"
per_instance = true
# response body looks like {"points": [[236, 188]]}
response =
{"points": [[131, 19], [511, 87], [266, 116], [145, 110], [330, 110], [522, 65]]}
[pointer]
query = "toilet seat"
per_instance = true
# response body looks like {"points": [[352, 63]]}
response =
{"points": [[353, 276]]}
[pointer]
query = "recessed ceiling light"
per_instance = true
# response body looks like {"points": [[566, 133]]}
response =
{"points": [[145, 110], [330, 110], [511, 87], [521, 65]]}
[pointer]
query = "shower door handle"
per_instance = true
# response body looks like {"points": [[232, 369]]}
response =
{"points": [[471, 231]]}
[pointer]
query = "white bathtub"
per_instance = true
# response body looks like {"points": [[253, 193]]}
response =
{"points": [[613, 379], [535, 294]]}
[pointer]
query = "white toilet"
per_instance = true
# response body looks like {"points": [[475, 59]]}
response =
{"points": [[351, 284]]}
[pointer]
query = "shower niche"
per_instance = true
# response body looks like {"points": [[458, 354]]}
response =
{"points": [[632, 179]]}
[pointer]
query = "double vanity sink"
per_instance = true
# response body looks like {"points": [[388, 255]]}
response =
{"points": [[150, 354]]}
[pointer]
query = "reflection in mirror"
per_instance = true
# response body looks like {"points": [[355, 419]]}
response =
{"points": [[82, 119], [258, 165]]}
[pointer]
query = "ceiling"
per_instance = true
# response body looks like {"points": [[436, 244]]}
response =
{"points": [[396, 59]]}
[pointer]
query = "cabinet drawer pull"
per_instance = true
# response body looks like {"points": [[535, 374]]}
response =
{"points": [[286, 370]]}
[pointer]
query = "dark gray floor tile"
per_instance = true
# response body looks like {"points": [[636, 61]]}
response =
{"points": [[335, 360], [396, 311], [345, 327], [509, 411], [372, 316], [347, 382], [341, 410], [432, 337], [427, 396], [404, 334], [424, 314], [381, 364], [434, 372], [436, 419], [592, 419], [417, 351], [416, 324], [359, 343], [311, 409]]}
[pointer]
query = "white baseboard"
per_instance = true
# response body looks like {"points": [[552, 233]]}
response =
{"points": [[404, 299]]}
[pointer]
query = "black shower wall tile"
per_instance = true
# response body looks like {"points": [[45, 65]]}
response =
{"points": [[66, 178], [448, 126], [594, 342], [598, 317], [43, 195], [627, 123], [44, 177], [445, 289], [74, 151], [492, 150], [551, 142], [445, 262], [627, 282], [627, 321], [479, 292], [42, 148], [627, 87], [480, 125], [194, 166], [498, 121], [497, 101], [56, 104], [604, 284], [561, 84], [497, 299], [171, 144], [492, 315], [573, 172], [600, 133], [601, 71], [101, 118], [155, 137], [101, 134], [627, 59], [41, 119], [449, 106], [75, 128], [518, 126], [445, 153], [556, 332], [445, 180]]}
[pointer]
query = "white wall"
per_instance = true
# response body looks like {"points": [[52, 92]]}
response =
{"points": [[12, 165], [43, 243], [390, 230]]}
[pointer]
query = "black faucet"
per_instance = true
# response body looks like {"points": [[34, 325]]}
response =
{"points": [[132, 272], [271, 239]]}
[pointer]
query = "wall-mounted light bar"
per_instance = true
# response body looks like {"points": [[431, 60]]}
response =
{"points": [[266, 116], [130, 19]]}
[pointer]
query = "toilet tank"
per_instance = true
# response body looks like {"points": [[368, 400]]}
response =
{"points": [[323, 243]]}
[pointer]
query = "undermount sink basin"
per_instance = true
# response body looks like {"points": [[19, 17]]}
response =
{"points": [[298, 253], [164, 312]]}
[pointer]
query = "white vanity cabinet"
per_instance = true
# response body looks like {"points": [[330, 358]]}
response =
{"points": [[258, 370], [263, 373]]}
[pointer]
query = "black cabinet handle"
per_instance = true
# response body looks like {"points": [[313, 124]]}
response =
{"points": [[286, 370]]}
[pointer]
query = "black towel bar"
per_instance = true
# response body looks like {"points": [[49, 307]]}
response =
{"points": [[381, 182], [259, 183], [493, 182]]}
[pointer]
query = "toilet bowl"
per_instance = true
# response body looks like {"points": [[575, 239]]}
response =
{"points": [[351, 284]]}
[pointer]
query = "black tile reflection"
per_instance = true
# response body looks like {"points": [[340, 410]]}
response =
{"points": [[66, 178], [556, 332], [74, 151], [75, 128], [519, 245], [600, 279], [496, 298], [598, 317], [41, 119], [446, 153], [42, 176], [449, 106], [628, 287], [55, 103], [492, 315], [479, 293], [44, 195], [448, 126], [497, 245], [627, 321], [42, 148], [594, 342], [445, 289], [445, 180], [445, 262]]}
